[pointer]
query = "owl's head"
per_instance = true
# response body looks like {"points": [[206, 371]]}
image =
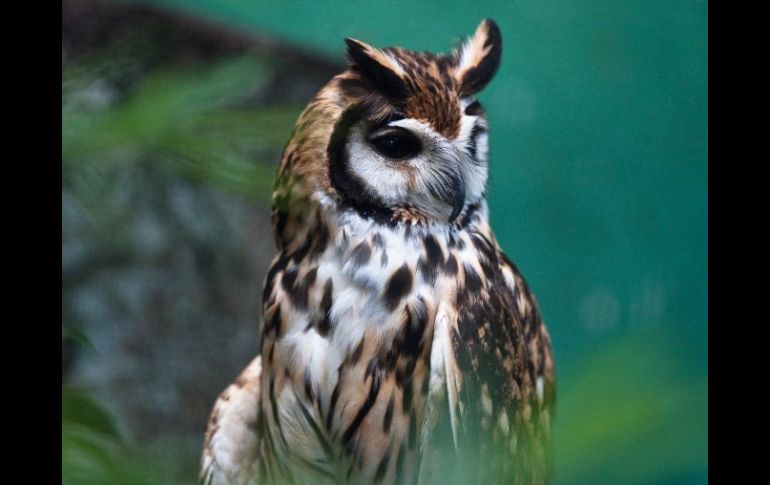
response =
{"points": [[399, 133]]}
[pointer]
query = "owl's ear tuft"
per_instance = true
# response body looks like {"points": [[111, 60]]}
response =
{"points": [[378, 68], [477, 59]]}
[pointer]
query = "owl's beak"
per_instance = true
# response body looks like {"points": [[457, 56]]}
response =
{"points": [[459, 200]]}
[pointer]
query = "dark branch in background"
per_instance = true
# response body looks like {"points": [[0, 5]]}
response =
{"points": [[174, 37]]}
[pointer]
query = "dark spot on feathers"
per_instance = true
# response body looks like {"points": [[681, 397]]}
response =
{"points": [[450, 266], [410, 365], [280, 224], [484, 246], [465, 219], [270, 353], [323, 325], [488, 270], [333, 401], [400, 376], [310, 278], [427, 272], [455, 337], [472, 279], [398, 285], [308, 385], [288, 279], [278, 266], [388, 416], [298, 291], [434, 258], [407, 342], [361, 254], [371, 367], [299, 255], [374, 389], [389, 360], [433, 251], [320, 241], [275, 322], [356, 355], [406, 397]]}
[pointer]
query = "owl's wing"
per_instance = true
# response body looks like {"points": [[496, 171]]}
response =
{"points": [[231, 443], [438, 439], [492, 386]]}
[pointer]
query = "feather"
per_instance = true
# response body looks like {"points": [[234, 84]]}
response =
{"points": [[231, 443]]}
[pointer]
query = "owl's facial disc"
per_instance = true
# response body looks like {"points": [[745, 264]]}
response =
{"points": [[378, 167], [396, 143]]}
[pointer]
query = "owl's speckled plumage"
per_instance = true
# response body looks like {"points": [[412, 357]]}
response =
{"points": [[399, 343]]}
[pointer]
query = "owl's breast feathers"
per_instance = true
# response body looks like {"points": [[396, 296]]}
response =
{"points": [[391, 352]]}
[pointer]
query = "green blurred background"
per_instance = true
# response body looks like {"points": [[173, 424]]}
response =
{"points": [[174, 114]]}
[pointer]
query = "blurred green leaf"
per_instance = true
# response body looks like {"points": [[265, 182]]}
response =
{"points": [[628, 414], [86, 455], [78, 337], [223, 148], [81, 410], [182, 119], [89, 457], [166, 101], [94, 453]]}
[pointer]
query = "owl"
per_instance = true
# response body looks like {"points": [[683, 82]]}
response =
{"points": [[399, 344]]}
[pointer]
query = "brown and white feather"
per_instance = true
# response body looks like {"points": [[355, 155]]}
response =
{"points": [[230, 445]]}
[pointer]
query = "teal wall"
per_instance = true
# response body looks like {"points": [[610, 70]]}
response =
{"points": [[598, 192]]}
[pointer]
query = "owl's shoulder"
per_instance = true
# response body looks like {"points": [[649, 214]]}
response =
{"points": [[496, 367], [502, 336], [231, 443]]}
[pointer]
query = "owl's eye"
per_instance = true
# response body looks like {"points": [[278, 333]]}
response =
{"points": [[394, 143]]}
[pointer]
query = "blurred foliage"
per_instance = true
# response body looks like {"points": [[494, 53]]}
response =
{"points": [[598, 192], [95, 452], [184, 119], [630, 414]]}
